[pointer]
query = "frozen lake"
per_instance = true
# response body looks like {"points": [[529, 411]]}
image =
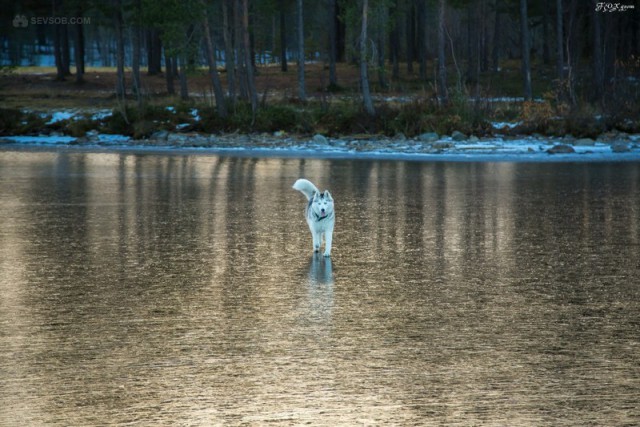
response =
{"points": [[175, 289]]}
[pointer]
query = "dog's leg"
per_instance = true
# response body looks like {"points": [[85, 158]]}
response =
{"points": [[328, 237], [317, 241]]}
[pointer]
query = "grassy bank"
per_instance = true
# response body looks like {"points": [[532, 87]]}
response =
{"points": [[338, 119], [405, 106]]}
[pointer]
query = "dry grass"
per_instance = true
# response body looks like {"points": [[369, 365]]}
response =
{"points": [[36, 87]]}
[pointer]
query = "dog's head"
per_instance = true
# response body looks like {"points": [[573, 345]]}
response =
{"points": [[322, 204]]}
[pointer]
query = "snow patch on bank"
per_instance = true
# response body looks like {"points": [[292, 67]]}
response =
{"points": [[59, 116], [62, 115]]}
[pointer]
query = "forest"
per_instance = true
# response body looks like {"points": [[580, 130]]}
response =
{"points": [[328, 66]]}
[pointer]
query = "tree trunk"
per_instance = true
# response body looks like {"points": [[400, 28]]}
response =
{"points": [[609, 37], [136, 52], [57, 44], [184, 89], [472, 38], [364, 77], [484, 39], [238, 40], [333, 48], [442, 69], [252, 42], [229, 55], [301, 90], [495, 54], [411, 38], [78, 48], [394, 41], [423, 38], [340, 33], [598, 63], [118, 24], [66, 50], [174, 66], [283, 37], [248, 62], [213, 67], [380, 42], [78, 51], [57, 52], [559, 41], [169, 72], [571, 50], [546, 55], [524, 34], [154, 52]]}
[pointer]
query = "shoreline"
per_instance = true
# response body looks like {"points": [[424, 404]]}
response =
{"points": [[425, 148]]}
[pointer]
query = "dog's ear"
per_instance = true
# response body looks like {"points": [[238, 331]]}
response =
{"points": [[327, 195]]}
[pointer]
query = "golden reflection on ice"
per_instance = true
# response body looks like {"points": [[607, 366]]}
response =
{"points": [[180, 290]]}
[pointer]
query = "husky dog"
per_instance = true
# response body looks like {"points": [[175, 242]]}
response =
{"points": [[319, 214]]}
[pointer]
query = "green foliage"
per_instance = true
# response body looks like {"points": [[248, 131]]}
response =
{"points": [[6, 70], [17, 122], [277, 117], [178, 22], [78, 127], [337, 119], [9, 119], [121, 121], [270, 118]]}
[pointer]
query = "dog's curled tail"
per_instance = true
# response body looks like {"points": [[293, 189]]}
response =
{"points": [[306, 187]]}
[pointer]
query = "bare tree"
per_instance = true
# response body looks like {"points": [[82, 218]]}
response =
{"points": [[524, 34], [57, 44], [78, 49], [66, 49], [283, 37], [182, 76], [229, 53], [411, 36], [301, 91], [598, 61], [154, 52], [442, 69], [495, 53], [423, 37], [383, 17], [213, 67], [118, 25], [136, 51], [546, 54], [364, 75], [169, 75], [333, 47], [394, 40], [559, 41], [248, 62]]}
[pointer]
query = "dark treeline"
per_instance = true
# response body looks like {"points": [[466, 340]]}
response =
{"points": [[448, 43]]}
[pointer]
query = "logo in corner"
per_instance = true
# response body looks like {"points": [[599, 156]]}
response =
{"points": [[20, 21]]}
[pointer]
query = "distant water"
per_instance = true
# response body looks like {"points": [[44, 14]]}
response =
{"points": [[181, 290]]}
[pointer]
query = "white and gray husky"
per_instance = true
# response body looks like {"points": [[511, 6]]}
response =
{"points": [[319, 214]]}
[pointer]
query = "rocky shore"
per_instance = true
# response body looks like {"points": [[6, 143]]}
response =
{"points": [[613, 145]]}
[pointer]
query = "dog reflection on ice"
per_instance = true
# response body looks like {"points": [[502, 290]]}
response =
{"points": [[320, 289], [320, 271]]}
